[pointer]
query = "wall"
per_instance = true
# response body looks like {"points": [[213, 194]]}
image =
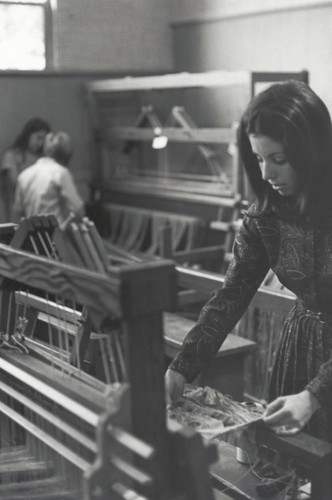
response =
{"points": [[269, 35], [113, 35]]}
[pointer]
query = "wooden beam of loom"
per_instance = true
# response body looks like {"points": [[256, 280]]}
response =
{"points": [[129, 293], [81, 284], [205, 283], [203, 135]]}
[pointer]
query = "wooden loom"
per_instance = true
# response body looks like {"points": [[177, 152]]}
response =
{"points": [[86, 438], [111, 120], [64, 433], [310, 458], [196, 114]]}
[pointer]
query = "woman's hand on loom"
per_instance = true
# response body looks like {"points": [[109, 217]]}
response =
{"points": [[287, 415], [174, 385]]}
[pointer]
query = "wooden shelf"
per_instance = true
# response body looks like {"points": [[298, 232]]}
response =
{"points": [[171, 81]]}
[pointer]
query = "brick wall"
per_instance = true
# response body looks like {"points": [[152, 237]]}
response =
{"points": [[113, 35]]}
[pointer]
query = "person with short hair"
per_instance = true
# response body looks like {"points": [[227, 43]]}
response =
{"points": [[47, 187], [25, 150], [285, 144]]}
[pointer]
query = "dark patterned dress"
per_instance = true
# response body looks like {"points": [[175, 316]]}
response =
{"points": [[300, 253]]}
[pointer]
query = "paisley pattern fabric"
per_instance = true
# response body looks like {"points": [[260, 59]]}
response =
{"points": [[304, 351], [300, 253]]}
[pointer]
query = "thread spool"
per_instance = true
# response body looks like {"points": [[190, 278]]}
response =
{"points": [[243, 457]]}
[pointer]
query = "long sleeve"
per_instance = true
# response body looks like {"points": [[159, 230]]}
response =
{"points": [[321, 385], [226, 306], [18, 208], [69, 194]]}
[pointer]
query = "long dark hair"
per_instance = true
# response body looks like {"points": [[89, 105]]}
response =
{"points": [[292, 114], [31, 126]]}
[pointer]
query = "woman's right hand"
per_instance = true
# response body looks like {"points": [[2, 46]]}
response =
{"points": [[174, 385]]}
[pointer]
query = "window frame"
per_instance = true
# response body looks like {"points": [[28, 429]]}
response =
{"points": [[49, 7]]}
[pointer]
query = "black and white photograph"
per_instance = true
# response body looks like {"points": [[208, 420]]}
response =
{"points": [[165, 249]]}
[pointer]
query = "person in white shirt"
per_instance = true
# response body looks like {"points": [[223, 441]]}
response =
{"points": [[47, 187]]}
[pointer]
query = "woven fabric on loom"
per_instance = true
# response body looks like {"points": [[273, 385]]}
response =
{"points": [[138, 230]]}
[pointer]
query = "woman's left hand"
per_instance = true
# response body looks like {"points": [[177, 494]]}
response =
{"points": [[287, 415]]}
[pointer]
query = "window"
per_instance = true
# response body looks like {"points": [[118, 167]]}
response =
{"points": [[25, 34]]}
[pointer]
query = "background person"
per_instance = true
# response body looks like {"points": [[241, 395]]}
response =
{"points": [[47, 187], [25, 150], [285, 143]]}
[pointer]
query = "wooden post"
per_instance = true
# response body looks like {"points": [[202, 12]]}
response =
{"points": [[146, 292]]}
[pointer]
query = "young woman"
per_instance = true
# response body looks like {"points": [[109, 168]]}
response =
{"points": [[285, 143], [25, 150]]}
